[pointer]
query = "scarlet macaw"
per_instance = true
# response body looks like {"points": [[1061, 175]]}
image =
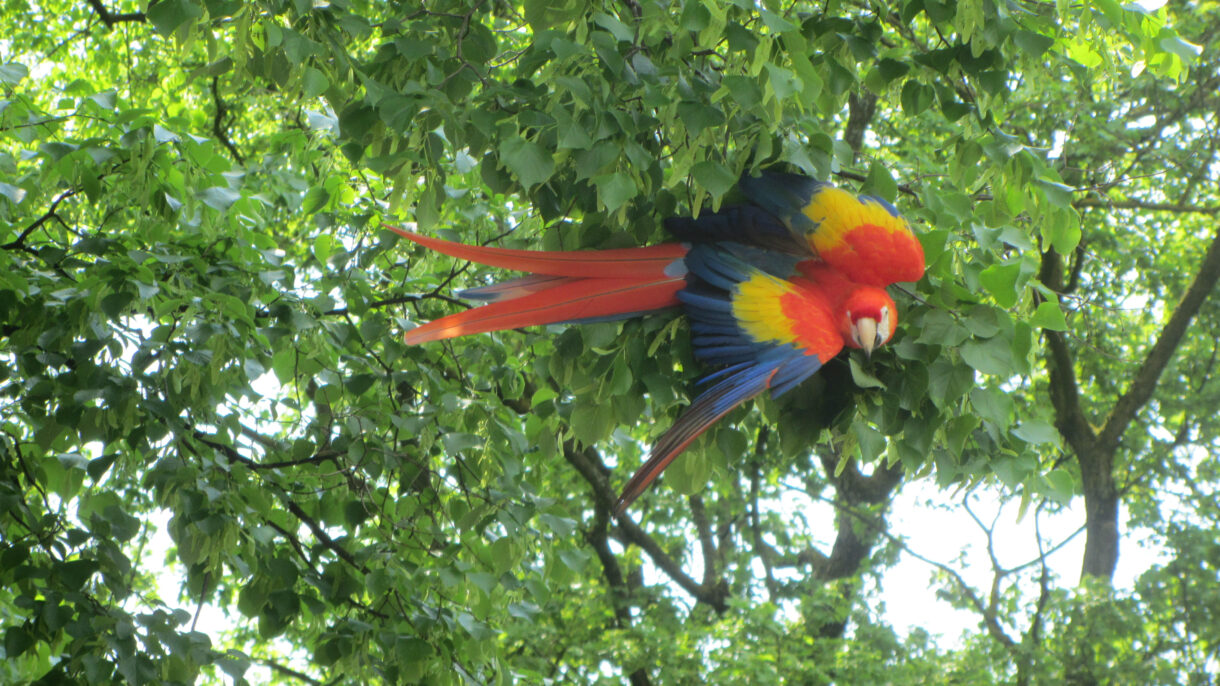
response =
{"points": [[773, 288]]}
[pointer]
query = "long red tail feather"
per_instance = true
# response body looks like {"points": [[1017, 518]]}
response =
{"points": [[568, 300], [513, 288], [562, 286], [622, 263]]}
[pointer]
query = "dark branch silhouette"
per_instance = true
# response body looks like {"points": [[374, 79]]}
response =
{"points": [[110, 19]]}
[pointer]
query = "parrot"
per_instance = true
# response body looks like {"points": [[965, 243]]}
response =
{"points": [[773, 288]]}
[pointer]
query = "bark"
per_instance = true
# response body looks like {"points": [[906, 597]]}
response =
{"points": [[1095, 450], [860, 111], [854, 535]]}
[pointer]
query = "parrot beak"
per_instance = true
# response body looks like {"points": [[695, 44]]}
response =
{"points": [[866, 330]]}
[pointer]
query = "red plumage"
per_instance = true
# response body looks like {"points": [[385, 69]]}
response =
{"points": [[773, 289]]}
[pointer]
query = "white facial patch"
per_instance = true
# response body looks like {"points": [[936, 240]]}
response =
{"points": [[885, 327]]}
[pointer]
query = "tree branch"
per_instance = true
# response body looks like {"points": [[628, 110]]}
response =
{"points": [[320, 534], [698, 515], [1144, 383], [860, 110], [714, 595], [51, 213], [598, 538], [764, 552], [290, 672], [218, 122], [1149, 206], [1064, 388], [236, 456], [110, 19]]}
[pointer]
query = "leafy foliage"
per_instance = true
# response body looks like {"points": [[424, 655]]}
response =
{"points": [[201, 375]]}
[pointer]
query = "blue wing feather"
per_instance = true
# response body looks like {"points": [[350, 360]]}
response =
{"points": [[734, 386], [738, 223], [783, 195], [750, 366], [705, 301]]}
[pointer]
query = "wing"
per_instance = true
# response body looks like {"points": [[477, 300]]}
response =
{"points": [[862, 236], [771, 334], [745, 224]]}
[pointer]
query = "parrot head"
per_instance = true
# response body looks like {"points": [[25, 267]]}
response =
{"points": [[868, 318]]}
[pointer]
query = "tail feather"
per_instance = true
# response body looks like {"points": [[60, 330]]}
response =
{"points": [[622, 263], [514, 288], [568, 300]]}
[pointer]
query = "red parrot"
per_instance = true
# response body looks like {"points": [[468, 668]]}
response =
{"points": [[773, 289]]}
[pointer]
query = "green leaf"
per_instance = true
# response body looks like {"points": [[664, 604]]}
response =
{"points": [[12, 73], [1011, 471], [323, 247], [880, 183], [916, 97], [164, 135], [543, 14], [942, 328], [1033, 44], [994, 405], [219, 198], [315, 199], [783, 82], [1000, 280], [1036, 431], [1062, 485], [698, 117], [714, 177], [15, 194], [123, 526], [740, 38], [359, 383], [592, 423], [983, 321], [871, 441], [527, 160], [234, 664], [775, 22], [618, 29], [168, 15], [743, 89], [891, 69], [1059, 195], [862, 378], [314, 82], [74, 574], [948, 381], [1186, 51], [1062, 228], [572, 134], [17, 640], [839, 78], [614, 190], [992, 356], [460, 442], [958, 431], [1049, 316], [98, 467]]}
